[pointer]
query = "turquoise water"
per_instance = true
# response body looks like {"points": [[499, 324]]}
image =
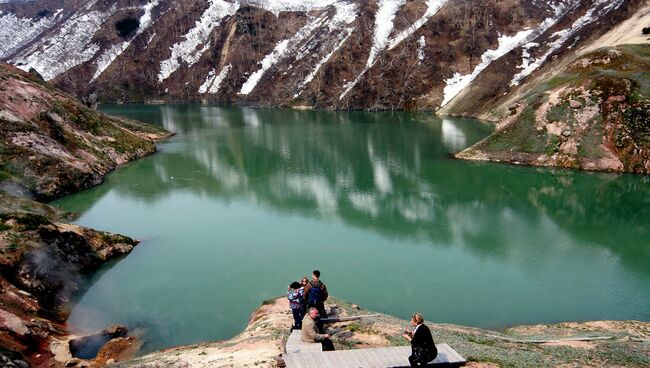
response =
{"points": [[241, 202]]}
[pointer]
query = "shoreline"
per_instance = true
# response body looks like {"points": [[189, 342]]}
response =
{"points": [[261, 343]]}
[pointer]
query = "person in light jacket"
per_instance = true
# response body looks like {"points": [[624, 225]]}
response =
{"points": [[297, 304], [423, 349], [310, 332]]}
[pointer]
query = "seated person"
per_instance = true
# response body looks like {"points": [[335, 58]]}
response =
{"points": [[310, 332], [423, 349]]}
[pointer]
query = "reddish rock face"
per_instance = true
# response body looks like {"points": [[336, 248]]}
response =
{"points": [[53, 145], [342, 54]]}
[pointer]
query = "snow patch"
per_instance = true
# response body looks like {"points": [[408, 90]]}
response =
{"points": [[458, 82], [107, 58], [421, 44], [68, 47], [383, 27], [324, 60], [189, 50], [277, 6], [17, 32], [346, 13], [269, 60], [213, 81], [565, 35], [297, 45], [433, 7]]}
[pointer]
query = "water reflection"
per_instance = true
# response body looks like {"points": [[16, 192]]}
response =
{"points": [[390, 173], [240, 193]]}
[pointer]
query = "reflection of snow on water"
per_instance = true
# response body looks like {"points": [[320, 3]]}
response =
{"points": [[317, 187], [365, 203], [452, 136]]}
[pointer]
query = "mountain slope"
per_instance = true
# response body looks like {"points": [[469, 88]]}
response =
{"points": [[53, 145], [594, 115], [342, 54]]}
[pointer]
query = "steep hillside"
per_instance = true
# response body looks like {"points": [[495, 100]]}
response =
{"points": [[594, 115], [343, 54], [53, 145], [43, 263]]}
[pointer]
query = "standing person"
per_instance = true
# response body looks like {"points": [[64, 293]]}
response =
{"points": [[310, 332], [423, 349], [303, 282], [316, 293], [295, 294]]}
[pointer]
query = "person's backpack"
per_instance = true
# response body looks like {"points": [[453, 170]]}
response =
{"points": [[315, 294]]}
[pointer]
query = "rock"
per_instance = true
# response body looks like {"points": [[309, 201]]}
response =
{"points": [[36, 74], [354, 306], [575, 104], [116, 331], [110, 361], [566, 133]]}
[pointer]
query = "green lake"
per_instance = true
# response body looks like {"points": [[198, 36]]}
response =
{"points": [[243, 201]]}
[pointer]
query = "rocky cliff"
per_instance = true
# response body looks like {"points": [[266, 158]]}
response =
{"points": [[51, 145], [594, 115], [43, 262], [342, 54]]}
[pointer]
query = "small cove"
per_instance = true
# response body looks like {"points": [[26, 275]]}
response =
{"points": [[243, 201]]}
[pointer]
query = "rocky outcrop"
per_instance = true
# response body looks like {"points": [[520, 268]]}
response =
{"points": [[339, 54], [594, 115], [566, 344], [53, 145], [43, 262]]}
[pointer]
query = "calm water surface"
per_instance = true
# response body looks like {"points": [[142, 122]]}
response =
{"points": [[242, 202]]}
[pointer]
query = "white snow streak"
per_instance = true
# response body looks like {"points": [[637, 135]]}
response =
{"points": [[213, 81], [277, 6], [324, 60], [346, 13], [421, 45], [564, 36], [67, 48], [188, 50], [383, 28], [459, 82], [107, 58], [433, 7], [269, 60], [17, 32], [295, 45]]}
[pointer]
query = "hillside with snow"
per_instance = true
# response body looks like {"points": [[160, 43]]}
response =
{"points": [[458, 57]]}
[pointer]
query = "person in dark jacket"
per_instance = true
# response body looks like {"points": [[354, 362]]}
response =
{"points": [[423, 349], [316, 293]]}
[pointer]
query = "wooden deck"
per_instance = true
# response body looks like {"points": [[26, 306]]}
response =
{"points": [[367, 358], [296, 345]]}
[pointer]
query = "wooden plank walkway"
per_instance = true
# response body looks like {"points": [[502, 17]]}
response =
{"points": [[296, 345], [367, 358]]}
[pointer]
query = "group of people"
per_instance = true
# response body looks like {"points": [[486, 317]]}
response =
{"points": [[307, 301]]}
